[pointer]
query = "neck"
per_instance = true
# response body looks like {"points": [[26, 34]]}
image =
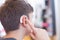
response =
{"points": [[17, 34]]}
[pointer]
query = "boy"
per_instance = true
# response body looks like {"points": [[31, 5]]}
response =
{"points": [[15, 18]]}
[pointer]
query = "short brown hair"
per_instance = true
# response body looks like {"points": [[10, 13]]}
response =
{"points": [[11, 12]]}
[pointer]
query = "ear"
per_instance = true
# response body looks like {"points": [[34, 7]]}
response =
{"points": [[23, 20]]}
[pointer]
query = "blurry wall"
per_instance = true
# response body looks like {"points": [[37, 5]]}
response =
{"points": [[1, 2], [57, 14]]}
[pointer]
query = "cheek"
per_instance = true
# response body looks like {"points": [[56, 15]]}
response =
{"points": [[31, 16], [30, 19]]}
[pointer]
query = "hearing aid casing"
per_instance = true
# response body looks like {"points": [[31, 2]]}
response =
{"points": [[22, 18]]}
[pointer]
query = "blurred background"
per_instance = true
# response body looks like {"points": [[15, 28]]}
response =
{"points": [[45, 16]]}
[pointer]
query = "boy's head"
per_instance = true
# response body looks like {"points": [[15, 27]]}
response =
{"points": [[11, 12]]}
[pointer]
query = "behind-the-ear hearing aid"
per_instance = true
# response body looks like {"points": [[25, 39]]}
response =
{"points": [[21, 19]]}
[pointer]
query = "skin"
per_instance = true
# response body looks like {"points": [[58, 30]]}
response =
{"points": [[37, 33], [27, 28]]}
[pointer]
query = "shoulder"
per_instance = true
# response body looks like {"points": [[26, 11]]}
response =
{"points": [[43, 33], [7, 39], [1, 39], [42, 30]]}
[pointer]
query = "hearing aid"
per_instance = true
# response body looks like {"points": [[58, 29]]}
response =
{"points": [[25, 22], [21, 19]]}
